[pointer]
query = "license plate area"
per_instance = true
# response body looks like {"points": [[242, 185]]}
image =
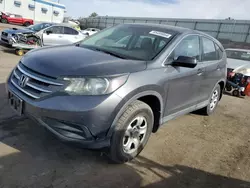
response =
{"points": [[15, 103]]}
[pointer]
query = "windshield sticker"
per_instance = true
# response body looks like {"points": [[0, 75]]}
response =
{"points": [[161, 34]]}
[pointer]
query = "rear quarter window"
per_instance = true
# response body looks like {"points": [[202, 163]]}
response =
{"points": [[209, 51], [219, 52]]}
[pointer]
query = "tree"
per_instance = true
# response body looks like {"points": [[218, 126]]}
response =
{"points": [[94, 14]]}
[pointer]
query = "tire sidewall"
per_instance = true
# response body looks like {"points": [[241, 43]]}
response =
{"points": [[209, 111], [117, 138]]}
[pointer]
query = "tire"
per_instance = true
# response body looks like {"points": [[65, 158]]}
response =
{"points": [[135, 113], [26, 24], [208, 110], [4, 20], [236, 93]]}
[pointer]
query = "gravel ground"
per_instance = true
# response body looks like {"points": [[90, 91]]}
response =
{"points": [[192, 151]]}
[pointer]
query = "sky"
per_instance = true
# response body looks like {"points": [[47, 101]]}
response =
{"points": [[203, 9]]}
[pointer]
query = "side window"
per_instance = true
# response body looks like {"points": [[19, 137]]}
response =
{"points": [[189, 46], [219, 52], [55, 30], [70, 31], [209, 52]]}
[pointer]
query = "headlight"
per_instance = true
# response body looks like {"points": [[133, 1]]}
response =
{"points": [[94, 86]]}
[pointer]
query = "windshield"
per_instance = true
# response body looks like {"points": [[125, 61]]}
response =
{"points": [[238, 54], [130, 41], [39, 27]]}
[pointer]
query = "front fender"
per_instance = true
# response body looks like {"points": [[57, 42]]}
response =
{"points": [[132, 96]]}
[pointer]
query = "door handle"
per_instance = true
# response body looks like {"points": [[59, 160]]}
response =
{"points": [[218, 68], [200, 72]]}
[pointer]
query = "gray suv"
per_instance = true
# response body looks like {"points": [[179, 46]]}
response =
{"points": [[115, 88]]}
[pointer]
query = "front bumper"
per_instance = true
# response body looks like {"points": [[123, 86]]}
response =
{"points": [[6, 40], [79, 119]]}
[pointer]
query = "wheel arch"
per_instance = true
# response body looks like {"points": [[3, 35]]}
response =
{"points": [[143, 96], [222, 84]]}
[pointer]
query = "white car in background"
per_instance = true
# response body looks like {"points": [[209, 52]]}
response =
{"points": [[60, 35], [90, 31], [238, 57]]}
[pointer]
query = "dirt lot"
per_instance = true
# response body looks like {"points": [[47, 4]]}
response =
{"points": [[192, 151]]}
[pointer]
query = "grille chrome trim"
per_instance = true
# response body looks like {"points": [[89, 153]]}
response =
{"points": [[24, 91], [16, 75], [32, 85], [37, 88], [38, 78]]}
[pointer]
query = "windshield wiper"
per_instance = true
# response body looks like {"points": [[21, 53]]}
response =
{"points": [[101, 50], [110, 53]]}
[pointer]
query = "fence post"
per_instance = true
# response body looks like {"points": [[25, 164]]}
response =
{"points": [[106, 21], [248, 33], [231, 40], [217, 36], [114, 22], [195, 24], [98, 24]]}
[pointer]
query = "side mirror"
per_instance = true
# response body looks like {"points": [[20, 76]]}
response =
{"points": [[184, 61], [48, 32]]}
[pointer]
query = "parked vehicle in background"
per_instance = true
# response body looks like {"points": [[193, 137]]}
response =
{"points": [[7, 34], [90, 31], [3, 14], [60, 35], [238, 58], [238, 71], [101, 94], [16, 19]]}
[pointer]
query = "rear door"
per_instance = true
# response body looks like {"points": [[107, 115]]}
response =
{"points": [[71, 35], [211, 58], [53, 36], [184, 83]]}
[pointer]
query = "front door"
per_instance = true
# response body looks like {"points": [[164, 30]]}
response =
{"points": [[53, 36], [184, 83]]}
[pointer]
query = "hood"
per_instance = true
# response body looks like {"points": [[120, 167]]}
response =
{"points": [[235, 63], [16, 30], [77, 61]]}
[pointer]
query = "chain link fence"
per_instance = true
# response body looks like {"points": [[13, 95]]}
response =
{"points": [[231, 33]]}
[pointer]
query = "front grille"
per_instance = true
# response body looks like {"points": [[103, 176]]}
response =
{"points": [[33, 84], [5, 40], [4, 34]]}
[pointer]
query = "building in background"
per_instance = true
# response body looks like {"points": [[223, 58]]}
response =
{"points": [[38, 10]]}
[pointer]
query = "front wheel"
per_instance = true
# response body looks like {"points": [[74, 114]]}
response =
{"points": [[3, 20], [132, 132]]}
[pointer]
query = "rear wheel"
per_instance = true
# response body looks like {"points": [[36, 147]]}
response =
{"points": [[132, 132], [27, 24], [236, 93], [213, 101], [19, 52]]}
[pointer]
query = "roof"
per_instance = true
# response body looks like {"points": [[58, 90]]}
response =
{"points": [[167, 27], [238, 49]]}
